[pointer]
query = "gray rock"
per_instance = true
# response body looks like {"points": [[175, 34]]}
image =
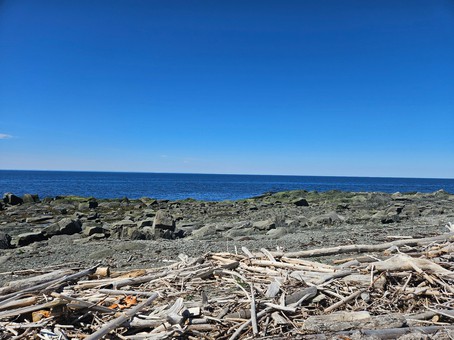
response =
{"points": [[163, 220], [63, 209], [204, 232], [327, 219], [5, 241], [38, 219], [163, 225], [92, 229], [264, 225], [277, 233], [92, 204], [66, 226], [27, 238], [12, 199], [29, 198], [97, 236], [238, 232]]}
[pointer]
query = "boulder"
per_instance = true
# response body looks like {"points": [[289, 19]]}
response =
{"points": [[88, 205], [29, 198], [145, 223], [204, 232], [90, 230], [300, 202], [264, 225], [277, 233], [121, 229], [163, 225], [5, 241], [327, 219], [66, 226], [27, 238], [12, 199]]}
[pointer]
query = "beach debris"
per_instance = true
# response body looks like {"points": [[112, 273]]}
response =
{"points": [[261, 294]]}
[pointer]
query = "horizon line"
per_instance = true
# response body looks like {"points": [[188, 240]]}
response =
{"points": [[223, 174]]}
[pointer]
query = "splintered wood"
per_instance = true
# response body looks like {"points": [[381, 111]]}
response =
{"points": [[405, 287]]}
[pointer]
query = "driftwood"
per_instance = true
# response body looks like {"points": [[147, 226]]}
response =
{"points": [[269, 295], [120, 320], [363, 248], [390, 333]]}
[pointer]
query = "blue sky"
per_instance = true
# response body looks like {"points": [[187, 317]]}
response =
{"points": [[348, 88]]}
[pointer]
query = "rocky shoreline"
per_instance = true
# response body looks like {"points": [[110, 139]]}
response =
{"points": [[124, 233]]}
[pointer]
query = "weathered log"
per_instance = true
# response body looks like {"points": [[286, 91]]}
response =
{"points": [[352, 320], [306, 293], [17, 285], [401, 262], [83, 304], [387, 333], [19, 303], [29, 309]]}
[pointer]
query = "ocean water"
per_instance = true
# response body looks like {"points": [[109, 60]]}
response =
{"points": [[197, 186]]}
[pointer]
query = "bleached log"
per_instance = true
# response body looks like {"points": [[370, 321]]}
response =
{"points": [[401, 262], [19, 303], [364, 248], [29, 309], [17, 285]]}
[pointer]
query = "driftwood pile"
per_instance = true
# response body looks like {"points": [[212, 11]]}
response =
{"points": [[385, 290]]}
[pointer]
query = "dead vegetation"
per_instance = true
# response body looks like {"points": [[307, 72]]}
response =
{"points": [[385, 290]]}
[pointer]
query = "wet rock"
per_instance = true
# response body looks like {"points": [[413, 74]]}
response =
{"points": [[66, 226], [5, 241], [12, 199]]}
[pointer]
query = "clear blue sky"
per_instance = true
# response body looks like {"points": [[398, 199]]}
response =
{"points": [[360, 88]]}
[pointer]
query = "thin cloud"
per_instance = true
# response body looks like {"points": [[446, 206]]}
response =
{"points": [[5, 136]]}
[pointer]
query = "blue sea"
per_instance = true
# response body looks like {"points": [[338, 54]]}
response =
{"points": [[197, 186]]}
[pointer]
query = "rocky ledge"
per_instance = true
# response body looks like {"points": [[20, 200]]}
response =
{"points": [[135, 233]]}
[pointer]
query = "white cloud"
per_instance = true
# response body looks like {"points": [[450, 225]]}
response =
{"points": [[5, 136]]}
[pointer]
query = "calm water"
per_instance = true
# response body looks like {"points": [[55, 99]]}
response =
{"points": [[203, 187]]}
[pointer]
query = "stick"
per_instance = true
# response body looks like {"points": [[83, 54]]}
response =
{"points": [[255, 328], [344, 301], [111, 325], [247, 323]]}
